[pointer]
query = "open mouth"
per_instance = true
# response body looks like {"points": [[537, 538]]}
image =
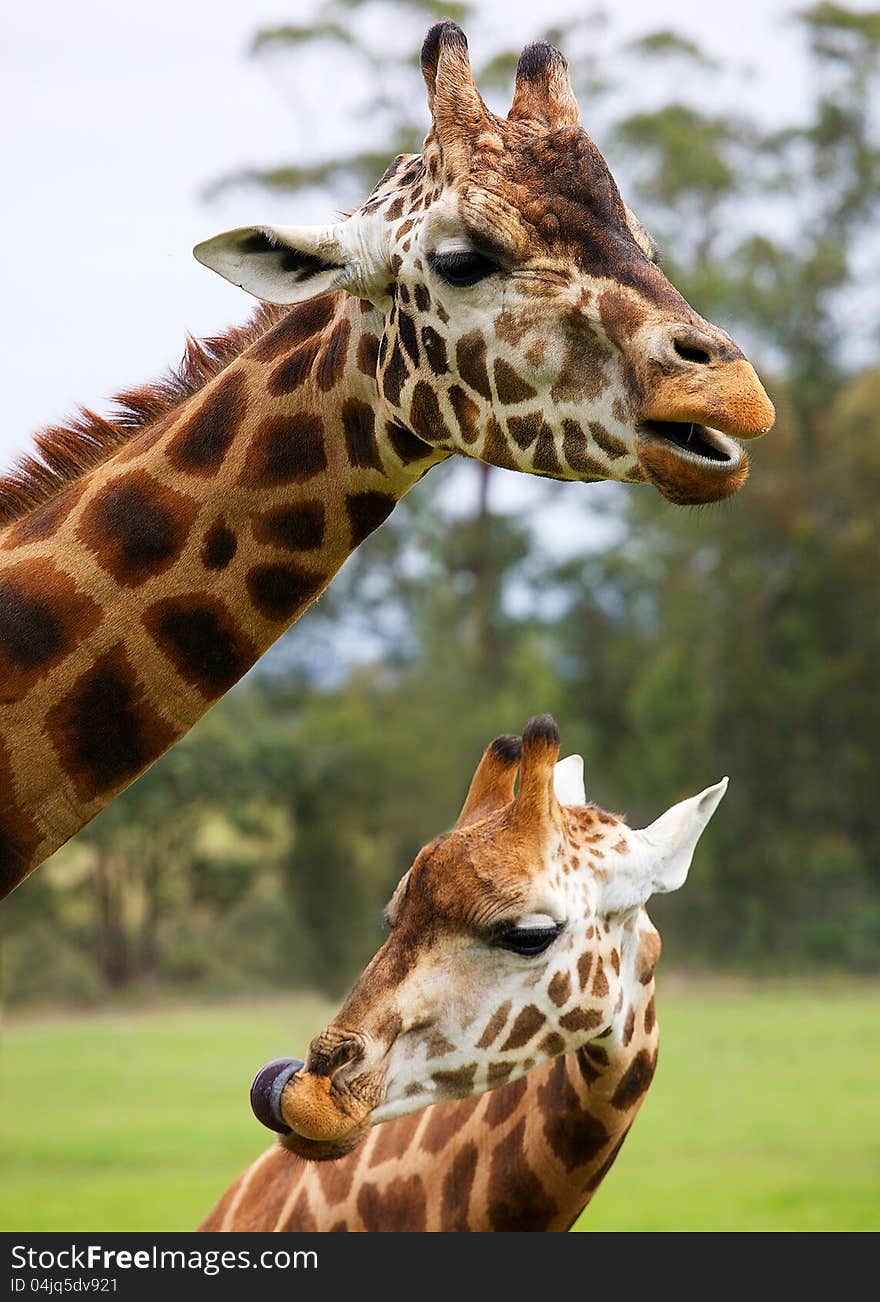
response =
{"points": [[689, 463], [695, 441]]}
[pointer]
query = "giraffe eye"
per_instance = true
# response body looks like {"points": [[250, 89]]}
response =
{"points": [[528, 940], [462, 268]]}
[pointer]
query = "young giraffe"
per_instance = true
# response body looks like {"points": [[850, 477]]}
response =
{"points": [[519, 944], [494, 297]]}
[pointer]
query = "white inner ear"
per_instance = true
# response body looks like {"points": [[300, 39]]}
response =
{"points": [[568, 781]]}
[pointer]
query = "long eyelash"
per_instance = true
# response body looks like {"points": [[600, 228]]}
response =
{"points": [[470, 264]]}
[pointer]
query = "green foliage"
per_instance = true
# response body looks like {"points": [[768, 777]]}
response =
{"points": [[668, 44]]}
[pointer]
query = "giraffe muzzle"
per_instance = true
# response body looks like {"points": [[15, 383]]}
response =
{"points": [[687, 441], [319, 1115]]}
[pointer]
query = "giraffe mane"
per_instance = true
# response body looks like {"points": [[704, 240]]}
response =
{"points": [[64, 453]]}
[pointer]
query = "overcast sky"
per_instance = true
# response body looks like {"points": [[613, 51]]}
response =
{"points": [[116, 115]]}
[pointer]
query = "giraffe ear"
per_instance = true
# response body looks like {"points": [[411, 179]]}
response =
{"points": [[281, 264], [568, 781], [671, 839], [659, 857]]}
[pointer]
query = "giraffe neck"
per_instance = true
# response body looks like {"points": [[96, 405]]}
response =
{"points": [[529, 1155], [135, 597]]}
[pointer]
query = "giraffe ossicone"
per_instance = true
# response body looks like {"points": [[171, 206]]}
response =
{"points": [[518, 937]]}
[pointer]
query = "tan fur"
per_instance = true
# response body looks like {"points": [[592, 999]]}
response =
{"points": [[732, 401]]}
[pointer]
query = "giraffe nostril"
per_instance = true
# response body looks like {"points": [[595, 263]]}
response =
{"points": [[690, 351]]}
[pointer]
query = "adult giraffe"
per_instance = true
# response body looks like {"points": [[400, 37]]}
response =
{"points": [[517, 978], [494, 297]]}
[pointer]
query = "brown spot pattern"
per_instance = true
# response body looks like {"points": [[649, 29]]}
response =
{"points": [[393, 1140], [529, 1021], [401, 1204], [279, 591], [498, 1072], [504, 1101], [43, 521], [103, 731], [470, 357], [510, 386], [525, 429], [635, 1081], [199, 445], [424, 416], [335, 1178], [405, 444], [299, 324], [600, 980], [42, 618], [581, 1019], [19, 834], [332, 364], [457, 1186], [294, 370], [572, 1133], [458, 1083], [136, 527], [496, 449], [611, 445], [575, 449], [545, 459], [367, 356], [359, 428], [366, 511], [559, 988], [202, 641], [445, 1121], [494, 1026], [467, 413], [301, 1218], [552, 1044], [298, 528], [520, 1202], [394, 375], [435, 350], [285, 449], [219, 546]]}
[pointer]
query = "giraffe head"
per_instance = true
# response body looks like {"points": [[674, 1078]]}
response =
{"points": [[524, 318], [518, 936]]}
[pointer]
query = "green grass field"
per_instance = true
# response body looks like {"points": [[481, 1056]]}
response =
{"points": [[764, 1115]]}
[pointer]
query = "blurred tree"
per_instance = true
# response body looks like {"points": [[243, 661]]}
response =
{"points": [[742, 639]]}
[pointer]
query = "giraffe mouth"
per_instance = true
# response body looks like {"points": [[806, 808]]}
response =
{"points": [[689, 463], [695, 442], [336, 1126]]}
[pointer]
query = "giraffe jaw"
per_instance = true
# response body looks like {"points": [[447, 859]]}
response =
{"points": [[689, 463]]}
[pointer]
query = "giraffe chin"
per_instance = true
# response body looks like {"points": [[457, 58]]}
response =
{"points": [[326, 1121], [690, 464], [326, 1150]]}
